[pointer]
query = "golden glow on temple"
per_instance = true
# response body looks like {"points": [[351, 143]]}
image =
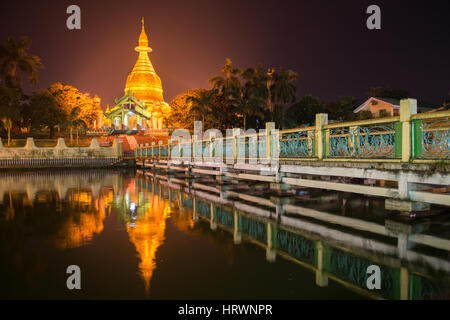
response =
{"points": [[143, 90], [143, 81]]}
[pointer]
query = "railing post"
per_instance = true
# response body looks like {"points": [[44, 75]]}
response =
{"points": [[212, 137], [169, 151], [236, 133], [153, 153], [194, 151], [321, 120], [270, 126], [408, 107], [311, 144], [354, 140], [117, 146]]}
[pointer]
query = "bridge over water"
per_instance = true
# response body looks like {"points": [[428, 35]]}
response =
{"points": [[306, 237], [404, 158]]}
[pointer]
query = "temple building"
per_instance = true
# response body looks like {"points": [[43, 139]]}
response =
{"points": [[142, 107]]}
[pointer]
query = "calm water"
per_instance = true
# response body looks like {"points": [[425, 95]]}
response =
{"points": [[136, 238]]}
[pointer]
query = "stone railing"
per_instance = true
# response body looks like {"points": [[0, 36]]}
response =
{"points": [[60, 155], [408, 137]]}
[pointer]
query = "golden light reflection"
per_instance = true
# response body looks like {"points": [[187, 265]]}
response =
{"points": [[80, 227], [146, 230]]}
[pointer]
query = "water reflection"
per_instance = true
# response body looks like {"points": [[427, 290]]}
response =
{"points": [[48, 219], [87, 219], [145, 214], [342, 254]]}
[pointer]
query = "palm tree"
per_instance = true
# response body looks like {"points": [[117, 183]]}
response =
{"points": [[202, 103], [282, 90], [228, 82], [73, 121], [247, 105], [10, 104], [14, 59], [255, 81]]}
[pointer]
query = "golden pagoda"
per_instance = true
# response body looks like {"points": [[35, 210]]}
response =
{"points": [[143, 81], [143, 88]]}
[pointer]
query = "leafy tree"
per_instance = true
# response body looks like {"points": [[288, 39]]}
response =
{"points": [[224, 114], [283, 88], [342, 109], [383, 114], [45, 111], [69, 98], [180, 115], [73, 121], [364, 115], [238, 97], [304, 111], [228, 82], [248, 104], [202, 104], [282, 91], [10, 107], [15, 60], [256, 81]]}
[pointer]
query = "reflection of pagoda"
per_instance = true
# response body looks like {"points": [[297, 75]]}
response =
{"points": [[142, 106], [145, 214], [147, 235]]}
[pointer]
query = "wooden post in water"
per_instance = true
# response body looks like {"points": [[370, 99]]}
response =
{"points": [[237, 235], [270, 251], [213, 223], [194, 210], [404, 284], [321, 279]]}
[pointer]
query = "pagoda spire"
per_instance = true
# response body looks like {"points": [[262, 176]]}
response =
{"points": [[143, 81], [143, 40]]}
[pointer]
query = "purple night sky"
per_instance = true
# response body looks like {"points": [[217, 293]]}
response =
{"points": [[326, 42]]}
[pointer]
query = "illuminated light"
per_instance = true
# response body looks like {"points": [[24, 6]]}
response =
{"points": [[143, 82], [144, 85]]}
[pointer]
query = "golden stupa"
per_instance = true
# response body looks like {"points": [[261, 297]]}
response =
{"points": [[145, 84]]}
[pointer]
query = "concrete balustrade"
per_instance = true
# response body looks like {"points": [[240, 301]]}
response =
{"points": [[30, 155], [392, 139]]}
